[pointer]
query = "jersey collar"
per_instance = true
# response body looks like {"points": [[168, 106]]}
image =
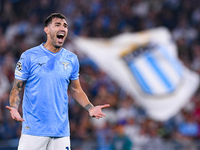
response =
{"points": [[48, 51]]}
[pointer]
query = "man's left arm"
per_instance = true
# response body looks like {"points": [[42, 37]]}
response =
{"points": [[79, 95]]}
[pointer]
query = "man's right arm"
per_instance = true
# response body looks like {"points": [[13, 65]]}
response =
{"points": [[15, 99]]}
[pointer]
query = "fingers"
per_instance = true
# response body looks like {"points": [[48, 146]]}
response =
{"points": [[18, 118], [103, 115], [9, 108], [105, 106], [14, 114], [97, 111], [100, 115]]}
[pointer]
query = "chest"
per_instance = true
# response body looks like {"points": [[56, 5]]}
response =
{"points": [[51, 67]]}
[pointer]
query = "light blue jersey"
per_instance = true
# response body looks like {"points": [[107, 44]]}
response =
{"points": [[45, 100]]}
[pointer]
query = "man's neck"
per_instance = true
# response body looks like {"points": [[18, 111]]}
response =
{"points": [[51, 48]]}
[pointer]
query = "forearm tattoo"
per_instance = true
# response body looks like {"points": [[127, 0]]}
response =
{"points": [[88, 106], [15, 93]]}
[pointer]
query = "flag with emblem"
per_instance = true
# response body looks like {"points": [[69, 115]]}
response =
{"points": [[146, 65]]}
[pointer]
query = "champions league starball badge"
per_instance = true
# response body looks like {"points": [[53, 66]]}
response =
{"points": [[19, 66]]}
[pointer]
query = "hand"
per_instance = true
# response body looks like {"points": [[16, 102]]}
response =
{"points": [[15, 114], [96, 111]]}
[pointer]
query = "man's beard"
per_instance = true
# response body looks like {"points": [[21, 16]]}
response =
{"points": [[57, 47], [54, 42]]}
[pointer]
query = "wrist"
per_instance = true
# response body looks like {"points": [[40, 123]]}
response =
{"points": [[15, 107], [88, 106]]}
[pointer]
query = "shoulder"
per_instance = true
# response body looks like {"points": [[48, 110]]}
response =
{"points": [[31, 51], [68, 54]]}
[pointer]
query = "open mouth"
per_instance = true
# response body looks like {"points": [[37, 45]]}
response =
{"points": [[60, 36]]}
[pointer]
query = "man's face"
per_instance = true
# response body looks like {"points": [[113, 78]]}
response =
{"points": [[57, 32]]}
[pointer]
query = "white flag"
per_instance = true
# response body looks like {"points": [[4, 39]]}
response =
{"points": [[146, 65]]}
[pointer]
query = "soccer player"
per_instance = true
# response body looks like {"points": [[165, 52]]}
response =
{"points": [[47, 71]]}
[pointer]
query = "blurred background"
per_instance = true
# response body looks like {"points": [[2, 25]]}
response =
{"points": [[128, 126]]}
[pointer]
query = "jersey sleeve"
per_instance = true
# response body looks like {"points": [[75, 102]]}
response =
{"points": [[22, 68], [75, 72]]}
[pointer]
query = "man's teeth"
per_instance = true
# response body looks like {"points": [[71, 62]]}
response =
{"points": [[61, 34]]}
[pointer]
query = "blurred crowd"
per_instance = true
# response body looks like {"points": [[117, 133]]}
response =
{"points": [[126, 127]]}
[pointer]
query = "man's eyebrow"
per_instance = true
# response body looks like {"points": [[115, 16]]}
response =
{"points": [[60, 23], [57, 23]]}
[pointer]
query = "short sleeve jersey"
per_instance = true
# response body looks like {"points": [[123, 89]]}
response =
{"points": [[45, 99]]}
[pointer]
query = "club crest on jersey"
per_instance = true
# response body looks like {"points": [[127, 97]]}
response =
{"points": [[19, 66], [65, 65]]}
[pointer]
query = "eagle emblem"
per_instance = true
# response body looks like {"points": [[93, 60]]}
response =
{"points": [[65, 65]]}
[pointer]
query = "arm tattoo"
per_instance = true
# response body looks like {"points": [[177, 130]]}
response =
{"points": [[15, 93], [88, 106]]}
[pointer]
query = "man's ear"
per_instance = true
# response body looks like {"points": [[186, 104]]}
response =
{"points": [[46, 30]]}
